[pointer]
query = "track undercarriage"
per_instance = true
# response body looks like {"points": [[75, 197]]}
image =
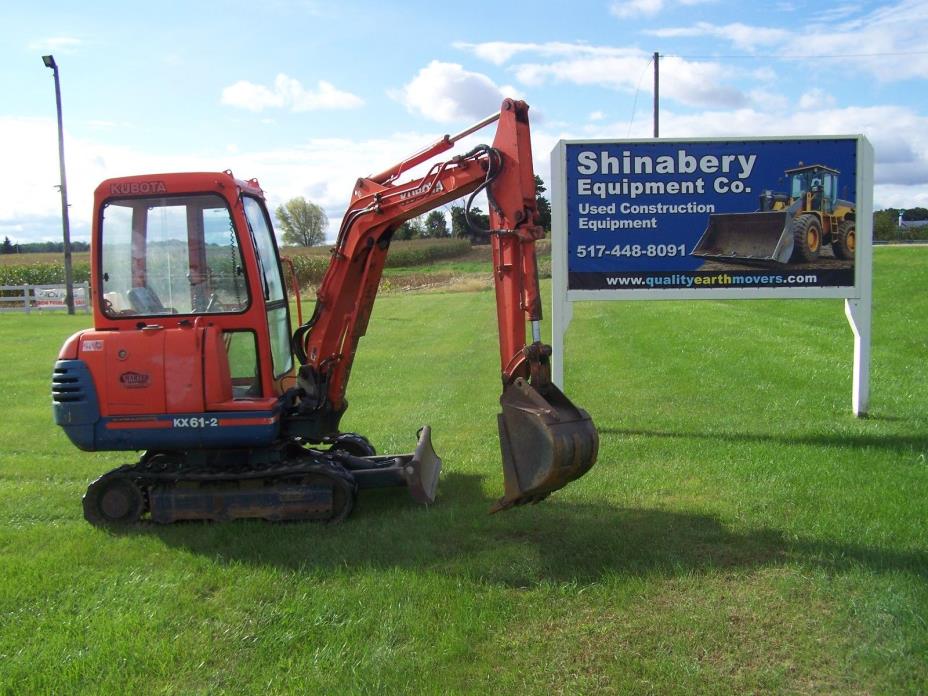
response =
{"points": [[288, 482]]}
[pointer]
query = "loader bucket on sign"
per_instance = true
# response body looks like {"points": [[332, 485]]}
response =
{"points": [[747, 237], [546, 443]]}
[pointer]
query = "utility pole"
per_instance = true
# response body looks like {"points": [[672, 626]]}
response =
{"points": [[657, 58], [65, 224]]}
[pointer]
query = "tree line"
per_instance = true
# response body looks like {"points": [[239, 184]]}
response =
{"points": [[886, 224], [9, 247]]}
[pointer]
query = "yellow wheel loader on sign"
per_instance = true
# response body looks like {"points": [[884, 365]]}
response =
{"points": [[788, 228]]}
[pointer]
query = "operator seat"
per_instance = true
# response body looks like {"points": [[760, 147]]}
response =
{"points": [[144, 301]]}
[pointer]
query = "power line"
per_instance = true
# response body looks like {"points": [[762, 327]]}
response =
{"points": [[635, 102], [810, 56]]}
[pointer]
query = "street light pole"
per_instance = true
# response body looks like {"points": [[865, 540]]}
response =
{"points": [[65, 224]]}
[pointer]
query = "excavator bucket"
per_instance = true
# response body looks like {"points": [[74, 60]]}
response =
{"points": [[546, 443], [747, 237]]}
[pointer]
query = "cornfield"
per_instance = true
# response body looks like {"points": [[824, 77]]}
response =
{"points": [[309, 263]]}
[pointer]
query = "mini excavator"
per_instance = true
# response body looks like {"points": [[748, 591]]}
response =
{"points": [[193, 362]]}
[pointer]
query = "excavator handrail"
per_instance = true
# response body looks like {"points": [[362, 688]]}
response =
{"points": [[443, 144], [294, 286]]}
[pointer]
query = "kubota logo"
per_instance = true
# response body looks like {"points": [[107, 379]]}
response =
{"points": [[137, 187], [134, 380], [425, 188]]}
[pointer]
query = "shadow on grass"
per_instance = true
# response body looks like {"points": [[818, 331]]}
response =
{"points": [[556, 541], [903, 444]]}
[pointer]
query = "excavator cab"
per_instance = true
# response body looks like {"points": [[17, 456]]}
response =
{"points": [[199, 261]]}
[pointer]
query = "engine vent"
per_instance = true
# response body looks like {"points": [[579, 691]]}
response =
{"points": [[69, 385]]}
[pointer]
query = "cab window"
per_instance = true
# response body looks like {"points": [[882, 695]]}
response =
{"points": [[801, 184], [272, 283], [174, 255], [831, 190], [241, 348]]}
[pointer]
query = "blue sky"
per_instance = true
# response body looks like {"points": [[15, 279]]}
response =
{"points": [[308, 95]]}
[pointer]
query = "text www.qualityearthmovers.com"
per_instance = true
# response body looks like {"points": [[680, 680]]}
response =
{"points": [[721, 280]]}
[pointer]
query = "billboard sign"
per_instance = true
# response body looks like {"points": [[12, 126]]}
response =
{"points": [[738, 218], [721, 218]]}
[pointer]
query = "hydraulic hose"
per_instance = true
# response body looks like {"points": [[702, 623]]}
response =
{"points": [[494, 167]]}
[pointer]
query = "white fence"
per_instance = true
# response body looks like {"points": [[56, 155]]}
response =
{"points": [[30, 298]]}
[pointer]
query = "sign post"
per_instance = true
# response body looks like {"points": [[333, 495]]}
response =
{"points": [[749, 218]]}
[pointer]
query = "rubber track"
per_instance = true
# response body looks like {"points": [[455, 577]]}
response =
{"points": [[146, 474]]}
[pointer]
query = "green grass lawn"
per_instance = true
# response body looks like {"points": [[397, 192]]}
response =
{"points": [[742, 531]]}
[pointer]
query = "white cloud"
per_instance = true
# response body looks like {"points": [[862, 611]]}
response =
{"points": [[32, 203], [248, 95], [816, 99], [500, 53], [636, 8], [892, 196], [699, 83], [827, 15], [884, 42], [742, 36], [288, 93], [33, 144], [496, 52], [62, 44], [764, 74], [624, 9], [695, 83], [768, 100], [446, 92], [323, 169]]}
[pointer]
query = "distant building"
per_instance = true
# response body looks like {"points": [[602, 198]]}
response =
{"points": [[911, 223]]}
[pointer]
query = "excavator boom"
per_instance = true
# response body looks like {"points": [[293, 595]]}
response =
{"points": [[546, 441]]}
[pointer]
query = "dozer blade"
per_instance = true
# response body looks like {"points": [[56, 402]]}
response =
{"points": [[747, 237], [418, 471], [422, 471], [546, 443]]}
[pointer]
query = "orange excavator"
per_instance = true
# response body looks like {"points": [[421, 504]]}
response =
{"points": [[191, 358]]}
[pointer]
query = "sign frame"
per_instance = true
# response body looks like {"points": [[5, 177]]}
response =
{"points": [[858, 297]]}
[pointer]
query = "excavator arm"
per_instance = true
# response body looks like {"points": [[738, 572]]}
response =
{"points": [[545, 440]]}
